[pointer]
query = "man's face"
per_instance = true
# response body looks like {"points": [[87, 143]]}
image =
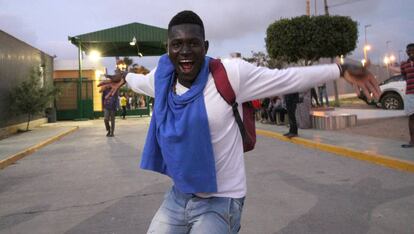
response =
{"points": [[187, 49], [410, 52]]}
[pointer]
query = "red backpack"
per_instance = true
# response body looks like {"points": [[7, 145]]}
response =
{"points": [[247, 125]]}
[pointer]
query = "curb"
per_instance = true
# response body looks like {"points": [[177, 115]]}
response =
{"points": [[12, 159], [379, 159]]}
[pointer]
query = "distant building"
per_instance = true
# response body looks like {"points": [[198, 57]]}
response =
{"points": [[66, 78], [17, 59]]}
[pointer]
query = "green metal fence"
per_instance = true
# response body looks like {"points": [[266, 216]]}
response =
{"points": [[71, 104]]}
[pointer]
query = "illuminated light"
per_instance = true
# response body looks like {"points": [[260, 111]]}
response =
{"points": [[342, 61], [133, 42], [94, 55], [367, 47], [363, 61], [386, 60], [98, 74], [392, 58]]}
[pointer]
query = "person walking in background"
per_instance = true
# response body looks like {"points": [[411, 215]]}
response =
{"points": [[124, 102], [323, 93], [109, 106], [407, 70], [291, 103]]}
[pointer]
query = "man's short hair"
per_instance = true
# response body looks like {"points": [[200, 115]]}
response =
{"points": [[186, 17], [411, 45]]}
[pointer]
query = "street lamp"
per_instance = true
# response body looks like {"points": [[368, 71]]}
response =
{"points": [[386, 61], [366, 49], [94, 55], [366, 46]]}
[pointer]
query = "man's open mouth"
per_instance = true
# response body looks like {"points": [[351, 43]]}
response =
{"points": [[186, 65]]}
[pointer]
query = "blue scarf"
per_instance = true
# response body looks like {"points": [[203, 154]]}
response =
{"points": [[178, 141]]}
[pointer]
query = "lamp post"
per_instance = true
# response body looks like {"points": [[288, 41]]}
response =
{"points": [[387, 43], [366, 49], [399, 56], [365, 27], [80, 79], [366, 46], [387, 64]]}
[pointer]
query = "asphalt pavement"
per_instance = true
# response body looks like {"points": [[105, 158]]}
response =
{"points": [[320, 182]]}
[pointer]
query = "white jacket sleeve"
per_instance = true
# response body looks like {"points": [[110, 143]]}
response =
{"points": [[254, 82], [140, 83]]}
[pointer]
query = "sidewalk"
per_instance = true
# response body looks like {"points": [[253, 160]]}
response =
{"points": [[20, 145], [386, 152]]}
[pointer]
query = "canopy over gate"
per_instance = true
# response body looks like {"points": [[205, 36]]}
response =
{"points": [[134, 39]]}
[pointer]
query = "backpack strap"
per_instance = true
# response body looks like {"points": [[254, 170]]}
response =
{"points": [[226, 91]]}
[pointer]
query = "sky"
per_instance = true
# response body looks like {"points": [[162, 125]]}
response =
{"points": [[230, 25]]}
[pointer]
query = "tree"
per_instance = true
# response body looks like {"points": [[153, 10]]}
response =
{"points": [[306, 39], [30, 97], [263, 60]]}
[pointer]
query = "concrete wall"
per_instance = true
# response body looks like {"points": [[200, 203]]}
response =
{"points": [[17, 58]]}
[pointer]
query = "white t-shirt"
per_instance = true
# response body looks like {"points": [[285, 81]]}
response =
{"points": [[249, 82]]}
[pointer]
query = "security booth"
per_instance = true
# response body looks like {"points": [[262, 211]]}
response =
{"points": [[133, 39]]}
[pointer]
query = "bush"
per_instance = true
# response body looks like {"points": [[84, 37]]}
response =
{"points": [[307, 39]]}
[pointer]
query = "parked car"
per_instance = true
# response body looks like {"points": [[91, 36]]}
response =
{"points": [[392, 94]]}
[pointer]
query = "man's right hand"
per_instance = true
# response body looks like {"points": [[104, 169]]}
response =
{"points": [[114, 84]]}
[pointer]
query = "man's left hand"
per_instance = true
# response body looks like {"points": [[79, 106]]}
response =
{"points": [[362, 79]]}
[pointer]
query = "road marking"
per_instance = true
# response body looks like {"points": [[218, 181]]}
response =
{"points": [[6, 162], [383, 160]]}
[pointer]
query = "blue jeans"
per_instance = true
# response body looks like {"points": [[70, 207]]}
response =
{"points": [[187, 213], [323, 93]]}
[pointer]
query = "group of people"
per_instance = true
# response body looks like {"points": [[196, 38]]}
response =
{"points": [[268, 109], [194, 137], [272, 110], [133, 101], [116, 102]]}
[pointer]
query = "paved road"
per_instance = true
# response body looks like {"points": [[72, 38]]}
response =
{"points": [[88, 183]]}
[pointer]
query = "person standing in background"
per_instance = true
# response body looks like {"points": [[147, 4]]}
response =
{"points": [[123, 105], [109, 106], [323, 93], [291, 103], [407, 70]]}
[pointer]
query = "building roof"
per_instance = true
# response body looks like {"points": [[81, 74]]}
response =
{"points": [[118, 41]]}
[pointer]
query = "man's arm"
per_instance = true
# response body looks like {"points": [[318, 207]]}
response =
{"points": [[259, 82]]}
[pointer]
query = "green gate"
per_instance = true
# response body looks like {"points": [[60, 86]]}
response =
{"points": [[70, 104]]}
